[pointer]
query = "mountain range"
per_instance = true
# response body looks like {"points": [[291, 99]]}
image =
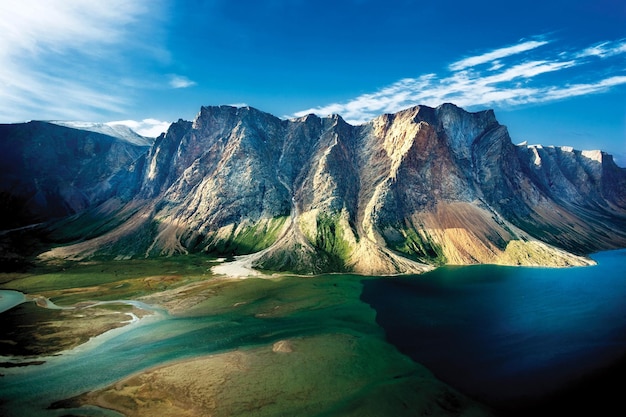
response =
{"points": [[400, 194]]}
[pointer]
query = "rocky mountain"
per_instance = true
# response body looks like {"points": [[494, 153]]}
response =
{"points": [[115, 130], [49, 171], [402, 193]]}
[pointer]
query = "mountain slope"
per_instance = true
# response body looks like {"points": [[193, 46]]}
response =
{"points": [[110, 129], [426, 186], [51, 171]]}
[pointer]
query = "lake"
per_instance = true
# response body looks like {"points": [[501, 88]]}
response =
{"points": [[508, 335], [496, 333]]}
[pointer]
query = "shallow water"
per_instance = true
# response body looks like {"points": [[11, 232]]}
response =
{"points": [[311, 307], [10, 299], [506, 333], [490, 331]]}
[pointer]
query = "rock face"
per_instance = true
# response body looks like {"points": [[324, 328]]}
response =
{"points": [[49, 171], [406, 191]]}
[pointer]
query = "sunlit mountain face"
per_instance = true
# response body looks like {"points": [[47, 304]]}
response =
{"points": [[401, 193], [119, 258]]}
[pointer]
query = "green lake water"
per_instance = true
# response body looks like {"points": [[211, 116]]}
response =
{"points": [[313, 306], [498, 323]]}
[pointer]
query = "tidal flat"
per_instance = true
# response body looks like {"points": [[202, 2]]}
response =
{"points": [[210, 346], [80, 290], [170, 337]]}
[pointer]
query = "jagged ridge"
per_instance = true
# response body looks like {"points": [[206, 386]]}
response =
{"points": [[425, 186]]}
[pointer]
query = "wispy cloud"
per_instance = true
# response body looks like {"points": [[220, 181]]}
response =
{"points": [[496, 54], [512, 75], [604, 49], [63, 59], [180, 81], [557, 93]]}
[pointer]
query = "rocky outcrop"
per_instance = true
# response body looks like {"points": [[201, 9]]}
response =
{"points": [[405, 192], [581, 198]]}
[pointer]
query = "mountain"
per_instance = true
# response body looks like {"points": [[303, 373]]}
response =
{"points": [[49, 171], [402, 193], [115, 130]]}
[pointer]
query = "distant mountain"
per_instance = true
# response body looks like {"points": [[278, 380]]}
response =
{"points": [[49, 171], [115, 130], [406, 191]]}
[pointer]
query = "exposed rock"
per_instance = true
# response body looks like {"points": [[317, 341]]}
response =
{"points": [[50, 171], [402, 193]]}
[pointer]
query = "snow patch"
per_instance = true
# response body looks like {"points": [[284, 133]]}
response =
{"points": [[114, 129], [595, 155]]}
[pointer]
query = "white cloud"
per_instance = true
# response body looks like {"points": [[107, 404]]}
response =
{"points": [[516, 80], [496, 65], [495, 55], [399, 95], [150, 128], [59, 58], [604, 49], [180, 81], [527, 70], [34, 26], [557, 93]]}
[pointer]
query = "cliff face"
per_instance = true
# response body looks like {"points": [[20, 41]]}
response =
{"points": [[49, 171], [425, 186]]}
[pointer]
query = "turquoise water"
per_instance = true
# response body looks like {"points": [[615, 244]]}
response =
{"points": [[488, 331], [161, 338], [503, 334], [9, 299]]}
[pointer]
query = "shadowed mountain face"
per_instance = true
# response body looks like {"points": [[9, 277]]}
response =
{"points": [[49, 171], [425, 186]]}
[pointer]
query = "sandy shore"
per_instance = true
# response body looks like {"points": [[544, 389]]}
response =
{"points": [[32, 331], [336, 374], [240, 267]]}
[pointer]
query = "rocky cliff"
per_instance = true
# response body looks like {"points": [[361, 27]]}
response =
{"points": [[49, 171], [406, 191]]}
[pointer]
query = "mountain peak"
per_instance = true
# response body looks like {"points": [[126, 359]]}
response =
{"points": [[115, 130], [421, 187]]}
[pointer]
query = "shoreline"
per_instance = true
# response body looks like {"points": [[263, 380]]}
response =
{"points": [[177, 300], [282, 377], [200, 297], [73, 336]]}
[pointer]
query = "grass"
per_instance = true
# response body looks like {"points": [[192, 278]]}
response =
{"points": [[532, 253], [418, 247], [330, 236], [331, 242], [86, 225], [31, 330], [251, 239], [70, 282]]}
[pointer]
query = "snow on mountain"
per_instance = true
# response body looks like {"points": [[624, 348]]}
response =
{"points": [[119, 131]]}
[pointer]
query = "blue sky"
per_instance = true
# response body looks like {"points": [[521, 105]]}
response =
{"points": [[554, 71]]}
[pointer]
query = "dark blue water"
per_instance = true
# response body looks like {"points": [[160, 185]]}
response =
{"points": [[505, 334], [495, 333]]}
